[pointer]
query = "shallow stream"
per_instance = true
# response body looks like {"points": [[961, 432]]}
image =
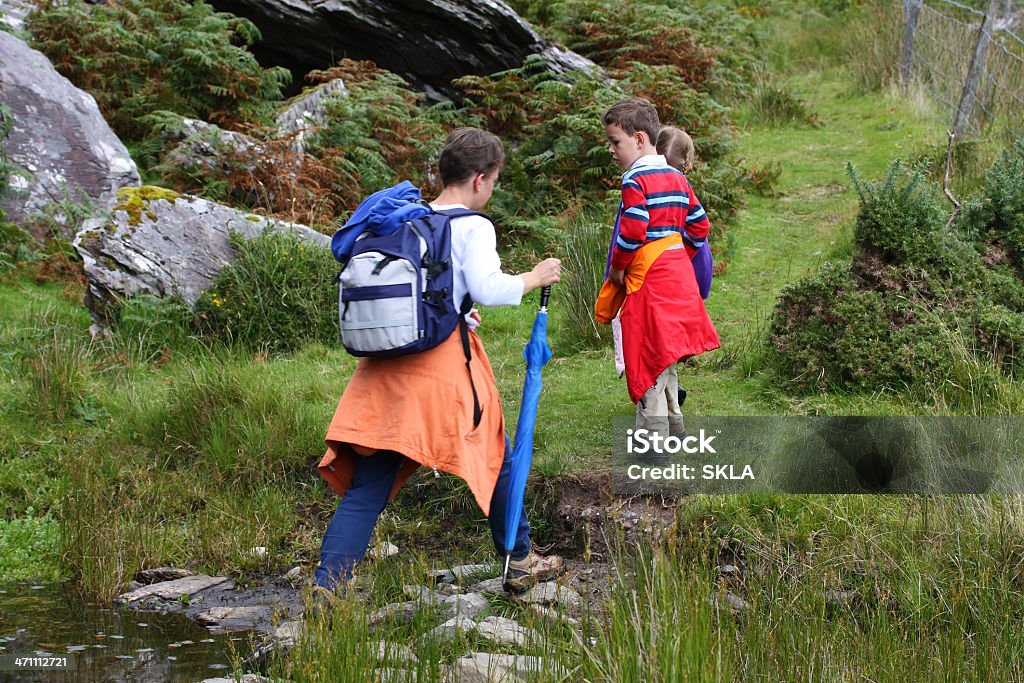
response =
{"points": [[107, 644]]}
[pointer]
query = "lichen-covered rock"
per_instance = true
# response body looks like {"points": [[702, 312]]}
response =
{"points": [[58, 137], [161, 243], [206, 149]]}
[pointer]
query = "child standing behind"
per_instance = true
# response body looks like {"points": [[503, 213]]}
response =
{"points": [[677, 148], [651, 283]]}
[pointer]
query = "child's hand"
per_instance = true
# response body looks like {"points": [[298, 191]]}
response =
{"points": [[617, 276], [474, 315]]}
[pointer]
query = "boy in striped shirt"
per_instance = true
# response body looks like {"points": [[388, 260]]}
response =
{"points": [[659, 229]]}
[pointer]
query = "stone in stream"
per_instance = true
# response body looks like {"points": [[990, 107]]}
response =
{"points": [[450, 628], [233, 618], [494, 585], [293, 576], [506, 632], [161, 574], [549, 593], [469, 605], [403, 612], [424, 595], [173, 590], [457, 574]]}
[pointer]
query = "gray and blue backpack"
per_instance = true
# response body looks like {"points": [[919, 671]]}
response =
{"points": [[396, 294]]}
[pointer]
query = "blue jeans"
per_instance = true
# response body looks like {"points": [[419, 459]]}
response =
{"points": [[348, 535]]}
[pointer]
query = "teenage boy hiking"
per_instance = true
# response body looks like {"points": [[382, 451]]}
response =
{"points": [[651, 283]]}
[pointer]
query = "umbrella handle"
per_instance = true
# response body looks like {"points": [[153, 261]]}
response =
{"points": [[545, 294]]}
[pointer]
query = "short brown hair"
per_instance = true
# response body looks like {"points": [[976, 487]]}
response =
{"points": [[634, 114], [677, 146], [469, 151]]}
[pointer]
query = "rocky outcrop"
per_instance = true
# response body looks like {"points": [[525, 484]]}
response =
{"points": [[206, 149], [308, 111], [57, 136], [428, 42], [161, 243], [14, 12]]}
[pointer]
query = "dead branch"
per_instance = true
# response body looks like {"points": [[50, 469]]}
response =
{"points": [[945, 179]]}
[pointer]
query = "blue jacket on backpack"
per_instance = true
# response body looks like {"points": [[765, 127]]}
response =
{"points": [[383, 213]]}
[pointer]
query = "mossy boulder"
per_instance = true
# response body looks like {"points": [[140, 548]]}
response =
{"points": [[165, 244]]}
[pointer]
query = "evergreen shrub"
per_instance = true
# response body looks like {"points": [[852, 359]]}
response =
{"points": [[277, 295], [921, 298]]}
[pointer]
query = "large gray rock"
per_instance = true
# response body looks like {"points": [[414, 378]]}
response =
{"points": [[58, 136], [428, 42], [161, 243]]}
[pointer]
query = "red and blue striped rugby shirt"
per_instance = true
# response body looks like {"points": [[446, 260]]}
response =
{"points": [[657, 200]]}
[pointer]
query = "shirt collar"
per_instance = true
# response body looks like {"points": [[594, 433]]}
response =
{"points": [[649, 160]]}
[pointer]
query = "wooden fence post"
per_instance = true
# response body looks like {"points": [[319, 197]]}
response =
{"points": [[963, 112], [912, 8]]}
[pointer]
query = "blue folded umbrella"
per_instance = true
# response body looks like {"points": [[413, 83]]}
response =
{"points": [[537, 354]]}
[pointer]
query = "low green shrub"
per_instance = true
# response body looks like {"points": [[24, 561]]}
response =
{"points": [[923, 303], [773, 104], [277, 295], [996, 213]]}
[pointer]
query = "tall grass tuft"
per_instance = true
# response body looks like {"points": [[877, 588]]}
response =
{"points": [[58, 367], [106, 535], [657, 625], [586, 248], [871, 43]]}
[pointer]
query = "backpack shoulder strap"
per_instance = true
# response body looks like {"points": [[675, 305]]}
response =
{"points": [[459, 212]]}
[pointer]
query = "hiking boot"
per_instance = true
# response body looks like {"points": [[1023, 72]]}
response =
{"points": [[530, 570]]}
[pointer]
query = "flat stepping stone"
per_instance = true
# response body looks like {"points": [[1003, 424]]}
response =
{"points": [[450, 628], [456, 574], [554, 615], [494, 585], [232, 618], [424, 595], [173, 590], [161, 574], [549, 593], [506, 631], [403, 612], [486, 667], [469, 605]]}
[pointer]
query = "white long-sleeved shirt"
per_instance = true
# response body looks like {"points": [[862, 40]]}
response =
{"points": [[476, 265]]}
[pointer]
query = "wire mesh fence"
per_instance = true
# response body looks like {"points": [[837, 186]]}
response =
{"points": [[969, 62]]}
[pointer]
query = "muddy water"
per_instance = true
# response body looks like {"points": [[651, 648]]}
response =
{"points": [[107, 644]]}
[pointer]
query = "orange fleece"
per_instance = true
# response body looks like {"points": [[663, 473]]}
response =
{"points": [[421, 406]]}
